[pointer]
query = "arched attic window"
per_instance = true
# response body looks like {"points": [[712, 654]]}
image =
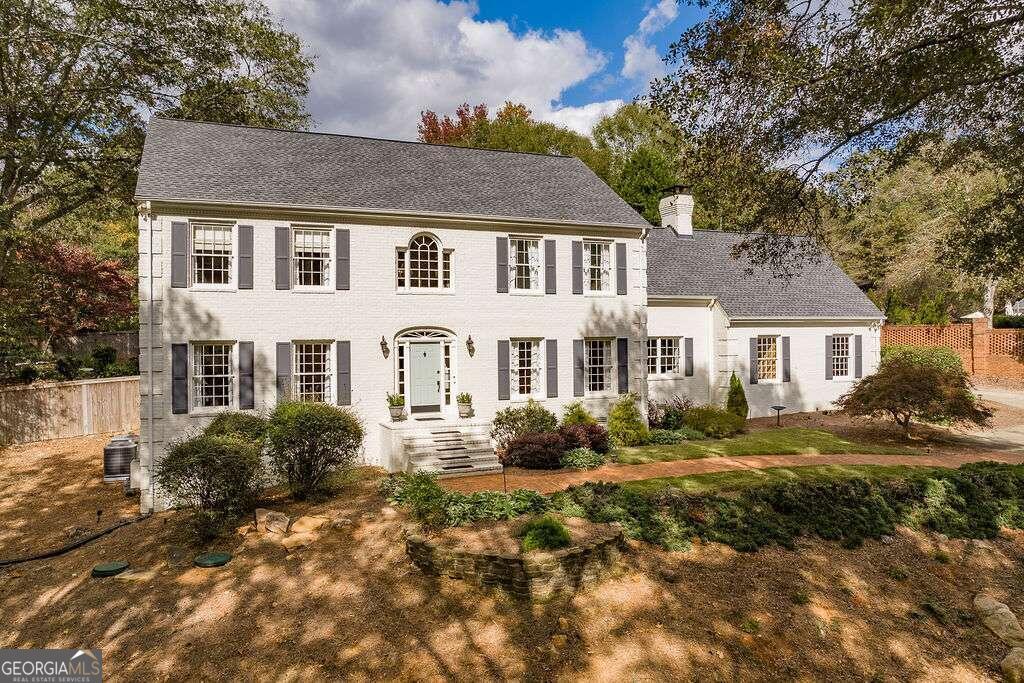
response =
{"points": [[423, 264]]}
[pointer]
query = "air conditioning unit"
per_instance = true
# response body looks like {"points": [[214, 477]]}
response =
{"points": [[117, 458]]}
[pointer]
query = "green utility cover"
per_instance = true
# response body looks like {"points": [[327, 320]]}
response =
{"points": [[108, 569], [212, 559]]}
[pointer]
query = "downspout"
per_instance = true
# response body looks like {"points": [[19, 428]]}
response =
{"points": [[149, 355], [712, 352]]}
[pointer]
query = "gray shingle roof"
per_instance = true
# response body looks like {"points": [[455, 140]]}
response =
{"points": [[211, 162], [703, 265]]}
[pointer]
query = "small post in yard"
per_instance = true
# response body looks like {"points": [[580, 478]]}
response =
{"points": [[778, 414], [504, 479]]}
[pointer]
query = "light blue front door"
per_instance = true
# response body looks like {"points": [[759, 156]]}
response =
{"points": [[425, 376]]}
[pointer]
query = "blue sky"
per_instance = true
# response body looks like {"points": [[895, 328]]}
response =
{"points": [[379, 63]]}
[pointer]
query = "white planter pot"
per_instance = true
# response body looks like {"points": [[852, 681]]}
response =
{"points": [[465, 410], [397, 413]]}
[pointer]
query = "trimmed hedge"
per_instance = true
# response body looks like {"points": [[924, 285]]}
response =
{"points": [[250, 426], [936, 356], [1008, 321]]}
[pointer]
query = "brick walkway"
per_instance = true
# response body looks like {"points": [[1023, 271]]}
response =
{"points": [[547, 481]]}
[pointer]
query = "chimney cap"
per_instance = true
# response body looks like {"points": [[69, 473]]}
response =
{"points": [[676, 189]]}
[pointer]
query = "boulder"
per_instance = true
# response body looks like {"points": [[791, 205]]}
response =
{"points": [[1013, 666], [261, 518], [300, 540], [276, 522], [304, 524], [1000, 620]]}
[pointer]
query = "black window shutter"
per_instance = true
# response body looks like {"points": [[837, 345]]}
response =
{"points": [[502, 264], [785, 359], [620, 268], [577, 367], [688, 362], [245, 239], [552, 367], [246, 376], [858, 356], [622, 359], [179, 378], [342, 258], [577, 267], [503, 370], [550, 270], [284, 370], [282, 265], [828, 356], [179, 254], [753, 360], [344, 350]]}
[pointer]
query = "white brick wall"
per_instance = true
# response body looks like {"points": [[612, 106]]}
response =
{"points": [[372, 309]]}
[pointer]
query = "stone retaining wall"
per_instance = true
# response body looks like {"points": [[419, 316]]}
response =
{"points": [[534, 576]]}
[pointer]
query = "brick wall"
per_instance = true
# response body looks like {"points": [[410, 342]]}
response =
{"points": [[983, 351]]}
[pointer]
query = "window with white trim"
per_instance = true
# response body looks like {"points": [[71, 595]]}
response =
{"points": [[526, 367], [524, 264], [311, 374], [311, 254], [212, 254], [662, 355], [213, 374], [597, 365], [767, 358], [597, 266], [423, 264], [841, 356]]}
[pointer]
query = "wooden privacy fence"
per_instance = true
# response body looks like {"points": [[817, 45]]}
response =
{"points": [[55, 410], [983, 350]]}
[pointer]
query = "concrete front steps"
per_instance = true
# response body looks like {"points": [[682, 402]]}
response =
{"points": [[449, 450]]}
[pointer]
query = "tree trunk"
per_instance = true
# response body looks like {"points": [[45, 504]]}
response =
{"points": [[990, 297]]}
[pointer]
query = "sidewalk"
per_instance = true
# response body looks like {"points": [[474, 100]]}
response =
{"points": [[548, 481]]}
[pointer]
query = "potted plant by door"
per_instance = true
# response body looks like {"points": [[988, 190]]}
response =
{"points": [[465, 402], [396, 404]]}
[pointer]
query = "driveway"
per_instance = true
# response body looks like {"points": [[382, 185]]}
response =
{"points": [[1008, 397]]}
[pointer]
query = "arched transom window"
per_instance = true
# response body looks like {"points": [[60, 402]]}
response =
{"points": [[423, 264]]}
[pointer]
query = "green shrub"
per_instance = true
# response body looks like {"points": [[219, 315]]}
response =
{"points": [[625, 423], [218, 477], [27, 374], [310, 441], [935, 356], [582, 459], [103, 356], [544, 533], [737, 401], [436, 507], [668, 437], [516, 421], [714, 422], [247, 425], [68, 366], [669, 415], [121, 369], [534, 451], [1008, 321], [576, 414], [592, 436]]}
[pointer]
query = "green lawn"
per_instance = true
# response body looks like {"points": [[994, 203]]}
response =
{"points": [[784, 441], [719, 482]]}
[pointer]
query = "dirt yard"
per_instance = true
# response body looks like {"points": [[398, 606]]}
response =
{"points": [[351, 605]]}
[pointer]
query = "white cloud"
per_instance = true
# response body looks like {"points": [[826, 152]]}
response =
{"points": [[582, 119], [641, 59], [379, 64]]}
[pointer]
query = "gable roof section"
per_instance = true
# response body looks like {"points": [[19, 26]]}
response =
{"points": [[195, 162], [703, 265]]}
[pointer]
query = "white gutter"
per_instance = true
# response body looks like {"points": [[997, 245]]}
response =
{"points": [[355, 211]]}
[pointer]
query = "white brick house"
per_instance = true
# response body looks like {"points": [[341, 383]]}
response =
{"points": [[340, 268]]}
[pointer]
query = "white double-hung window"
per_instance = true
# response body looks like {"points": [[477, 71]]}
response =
{"points": [[311, 254], [213, 374], [212, 254], [597, 266], [597, 365], [524, 264], [526, 367], [841, 356], [311, 374], [767, 358], [662, 355]]}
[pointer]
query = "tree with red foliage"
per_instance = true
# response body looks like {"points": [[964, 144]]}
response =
{"points": [[445, 131], [61, 290]]}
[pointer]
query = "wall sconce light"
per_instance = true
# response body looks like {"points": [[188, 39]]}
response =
{"points": [[384, 347], [469, 345]]}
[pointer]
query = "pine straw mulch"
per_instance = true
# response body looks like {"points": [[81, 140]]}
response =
{"points": [[352, 606]]}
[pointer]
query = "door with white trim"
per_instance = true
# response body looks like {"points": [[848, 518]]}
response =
{"points": [[425, 377]]}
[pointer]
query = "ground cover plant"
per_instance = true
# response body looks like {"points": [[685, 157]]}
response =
{"points": [[544, 533], [582, 459]]}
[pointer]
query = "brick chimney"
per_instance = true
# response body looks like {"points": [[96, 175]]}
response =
{"points": [[676, 209]]}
